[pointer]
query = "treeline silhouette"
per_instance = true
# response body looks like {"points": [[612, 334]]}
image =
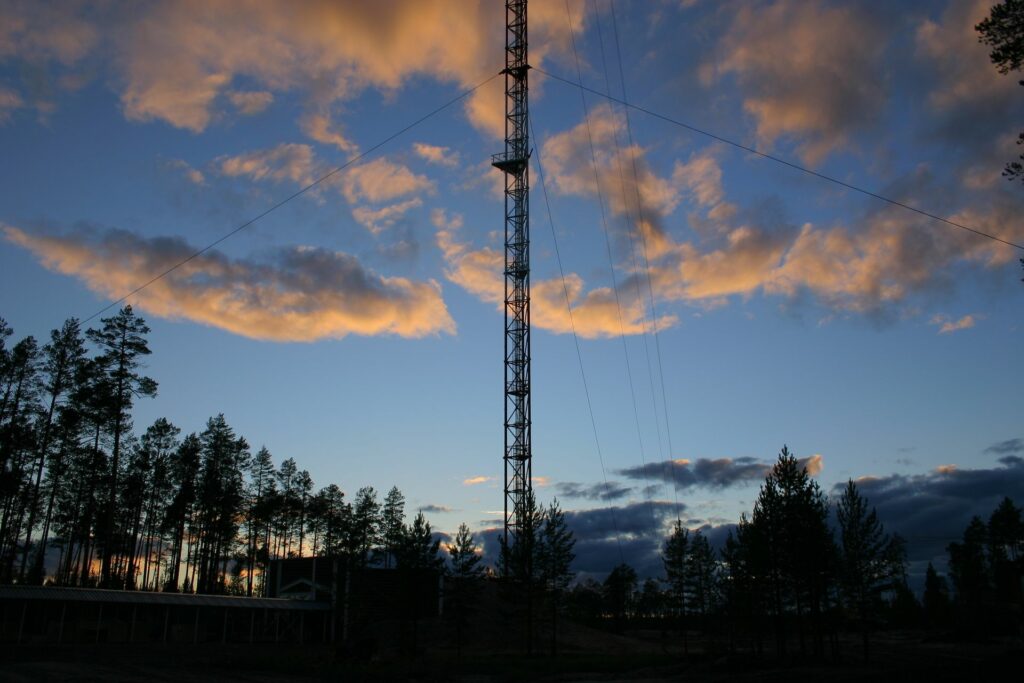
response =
{"points": [[790, 581], [199, 513]]}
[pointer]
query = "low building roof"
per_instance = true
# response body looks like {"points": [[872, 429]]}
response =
{"points": [[55, 593]]}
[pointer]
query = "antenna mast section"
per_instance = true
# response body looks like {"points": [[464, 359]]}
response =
{"points": [[514, 162]]}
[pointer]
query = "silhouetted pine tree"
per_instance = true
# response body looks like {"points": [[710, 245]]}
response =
{"points": [[700, 578], [793, 549], [555, 554], [61, 360], [122, 343], [674, 558], [969, 572], [392, 523], [1006, 552], [871, 562], [619, 592], [463, 575]]}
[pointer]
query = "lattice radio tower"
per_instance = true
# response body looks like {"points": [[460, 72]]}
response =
{"points": [[514, 161]]}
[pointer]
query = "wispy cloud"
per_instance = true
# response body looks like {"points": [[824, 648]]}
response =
{"points": [[382, 180], [947, 325], [193, 175], [376, 220], [9, 101], [1008, 447], [321, 128], [435, 154], [250, 102], [299, 294], [473, 481], [289, 161]]}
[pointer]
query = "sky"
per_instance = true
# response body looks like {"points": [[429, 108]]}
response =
{"points": [[724, 304]]}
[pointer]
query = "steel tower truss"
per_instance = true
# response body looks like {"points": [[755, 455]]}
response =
{"points": [[514, 162]]}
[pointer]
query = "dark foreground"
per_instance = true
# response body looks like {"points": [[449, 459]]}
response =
{"points": [[906, 657]]}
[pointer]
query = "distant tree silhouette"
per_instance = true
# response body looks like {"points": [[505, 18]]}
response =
{"points": [[392, 520], [555, 554], [936, 598], [61, 360], [700, 578], [675, 559], [518, 563], [651, 602], [1006, 551], [464, 573], [180, 515], [417, 552], [220, 499], [17, 419], [792, 549], [619, 591], [870, 560], [1003, 31], [740, 585], [257, 514], [969, 571], [418, 548], [364, 527], [122, 341]]}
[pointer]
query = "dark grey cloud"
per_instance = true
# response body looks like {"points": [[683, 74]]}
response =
{"points": [[716, 473], [630, 533], [1008, 447], [685, 474], [931, 510], [606, 536], [436, 508], [633, 519], [606, 491]]}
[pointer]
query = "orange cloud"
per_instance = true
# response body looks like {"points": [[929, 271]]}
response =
{"points": [[178, 57], [9, 101], [381, 180], [292, 162], [443, 156], [39, 32], [813, 464], [806, 71], [378, 220], [374, 181], [594, 314], [193, 175], [953, 52], [570, 168], [252, 102], [301, 294], [947, 325], [473, 481], [319, 127]]}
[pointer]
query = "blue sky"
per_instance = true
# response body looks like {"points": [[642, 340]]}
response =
{"points": [[356, 328]]}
